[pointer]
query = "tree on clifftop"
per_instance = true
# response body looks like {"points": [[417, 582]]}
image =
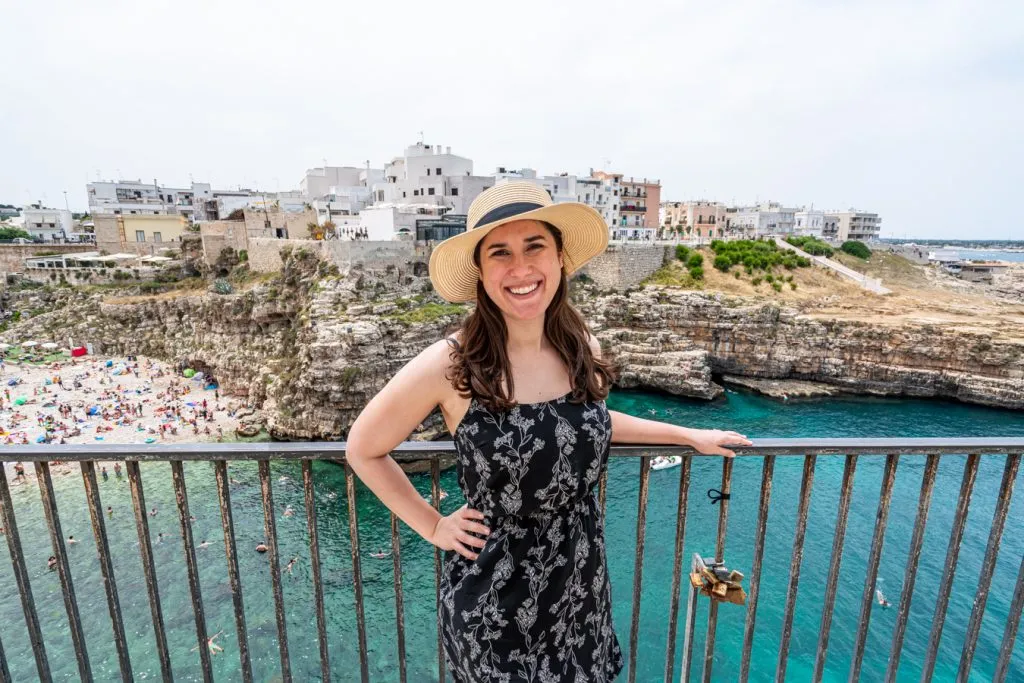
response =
{"points": [[13, 233]]}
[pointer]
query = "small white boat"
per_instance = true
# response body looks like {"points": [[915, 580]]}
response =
{"points": [[663, 462]]}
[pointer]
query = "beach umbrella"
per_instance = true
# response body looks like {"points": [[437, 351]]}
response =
{"points": [[29, 344], [49, 345]]}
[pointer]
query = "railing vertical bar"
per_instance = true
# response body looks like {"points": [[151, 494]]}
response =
{"points": [[1010, 632], [63, 570], [357, 569], [832, 583], [952, 553], [677, 565], [270, 530], [806, 485], [723, 519], [231, 554], [638, 563], [5, 673], [767, 470], [99, 531], [435, 497], [874, 557], [396, 550], [688, 625], [194, 588], [149, 567], [602, 491], [913, 557], [988, 566], [314, 560], [10, 525]]}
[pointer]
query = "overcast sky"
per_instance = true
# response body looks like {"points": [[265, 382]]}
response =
{"points": [[912, 109]]}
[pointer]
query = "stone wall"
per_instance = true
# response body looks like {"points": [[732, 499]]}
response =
{"points": [[265, 254], [12, 256], [623, 266]]}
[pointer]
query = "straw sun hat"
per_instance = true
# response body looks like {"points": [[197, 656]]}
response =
{"points": [[584, 234]]}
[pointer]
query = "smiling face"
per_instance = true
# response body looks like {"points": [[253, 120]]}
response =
{"points": [[520, 268]]}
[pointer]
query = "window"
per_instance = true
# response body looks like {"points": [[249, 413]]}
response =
{"points": [[455, 192], [430, 190], [438, 171], [615, 207], [415, 193], [140, 235], [403, 193], [428, 171], [156, 237]]}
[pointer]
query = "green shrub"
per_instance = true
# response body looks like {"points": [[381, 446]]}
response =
{"points": [[856, 248], [696, 272], [682, 253], [736, 274], [792, 285], [723, 263], [812, 245], [769, 278], [777, 286], [243, 255], [756, 281], [695, 261]]}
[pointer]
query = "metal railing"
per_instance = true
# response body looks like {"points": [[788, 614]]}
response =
{"points": [[768, 449]]}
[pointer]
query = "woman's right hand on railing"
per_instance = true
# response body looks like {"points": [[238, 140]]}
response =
{"points": [[452, 532]]}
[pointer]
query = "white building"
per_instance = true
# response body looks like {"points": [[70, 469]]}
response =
{"points": [[395, 221], [809, 222], [855, 225], [47, 224], [767, 218], [127, 197], [601, 194], [561, 187], [425, 174]]}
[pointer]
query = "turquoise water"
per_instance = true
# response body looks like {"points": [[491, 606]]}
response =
{"points": [[991, 255], [747, 413]]}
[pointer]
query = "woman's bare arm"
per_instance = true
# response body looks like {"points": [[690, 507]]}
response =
{"points": [[386, 421], [629, 429]]}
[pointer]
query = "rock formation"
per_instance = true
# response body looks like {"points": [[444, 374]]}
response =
{"points": [[310, 346]]}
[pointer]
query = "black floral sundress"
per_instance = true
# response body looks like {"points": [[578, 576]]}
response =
{"points": [[536, 604]]}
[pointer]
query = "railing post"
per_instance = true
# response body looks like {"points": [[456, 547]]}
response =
{"points": [[723, 519], [832, 582], [314, 561], [806, 484], [60, 552], [638, 563], [677, 560], [988, 567], [357, 569], [194, 588], [270, 529], [755, 572], [868, 598], [28, 605], [220, 469]]}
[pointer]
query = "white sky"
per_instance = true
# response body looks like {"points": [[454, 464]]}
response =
{"points": [[905, 107]]}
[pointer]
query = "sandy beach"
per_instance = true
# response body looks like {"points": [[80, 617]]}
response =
{"points": [[110, 400]]}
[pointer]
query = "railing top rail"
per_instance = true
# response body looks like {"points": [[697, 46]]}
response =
{"points": [[417, 450]]}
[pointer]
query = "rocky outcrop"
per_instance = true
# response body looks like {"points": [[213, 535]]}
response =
{"points": [[763, 340], [312, 345]]}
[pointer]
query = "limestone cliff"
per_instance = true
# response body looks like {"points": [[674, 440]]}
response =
{"points": [[311, 345]]}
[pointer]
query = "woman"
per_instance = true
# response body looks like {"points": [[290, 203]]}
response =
{"points": [[521, 386]]}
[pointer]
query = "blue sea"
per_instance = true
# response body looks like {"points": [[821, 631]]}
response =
{"points": [[752, 415], [991, 255]]}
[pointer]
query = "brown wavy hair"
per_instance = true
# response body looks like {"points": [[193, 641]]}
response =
{"points": [[480, 362]]}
